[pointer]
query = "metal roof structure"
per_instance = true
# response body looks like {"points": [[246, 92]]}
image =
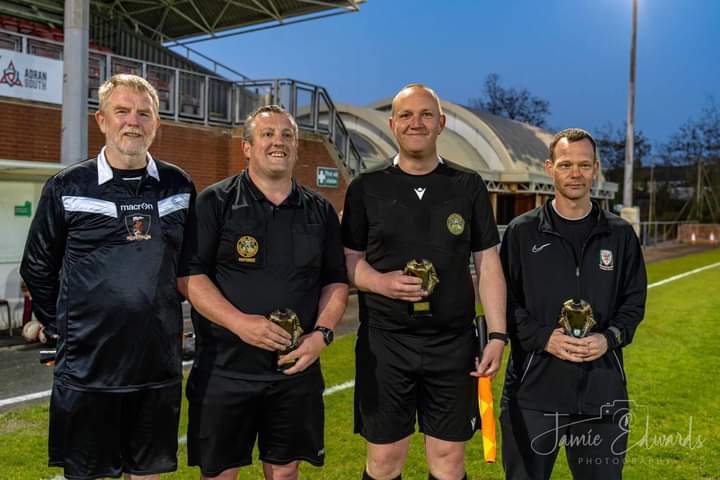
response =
{"points": [[510, 155], [181, 20]]}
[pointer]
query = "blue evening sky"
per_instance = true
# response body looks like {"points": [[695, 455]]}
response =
{"points": [[574, 53]]}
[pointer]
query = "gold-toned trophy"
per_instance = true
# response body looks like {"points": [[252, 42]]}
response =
{"points": [[576, 317], [425, 271], [289, 321]]}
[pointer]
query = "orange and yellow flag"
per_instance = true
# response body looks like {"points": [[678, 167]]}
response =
{"points": [[487, 419]]}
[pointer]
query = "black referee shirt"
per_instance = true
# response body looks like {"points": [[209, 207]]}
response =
{"points": [[261, 257], [442, 216]]}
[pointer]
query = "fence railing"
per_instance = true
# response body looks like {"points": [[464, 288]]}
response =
{"points": [[190, 96], [655, 233]]}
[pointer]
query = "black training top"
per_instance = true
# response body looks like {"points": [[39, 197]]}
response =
{"points": [[262, 257], [101, 264], [442, 216]]}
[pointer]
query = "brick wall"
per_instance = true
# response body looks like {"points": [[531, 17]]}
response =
{"points": [[32, 132]]}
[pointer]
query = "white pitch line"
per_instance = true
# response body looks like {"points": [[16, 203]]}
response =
{"points": [[351, 383], [682, 275], [24, 398], [339, 387]]}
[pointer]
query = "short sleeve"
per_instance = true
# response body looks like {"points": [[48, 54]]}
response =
{"points": [[354, 221], [333, 266], [202, 232], [483, 229]]}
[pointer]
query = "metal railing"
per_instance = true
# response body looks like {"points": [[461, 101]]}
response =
{"points": [[309, 104], [657, 232], [189, 96]]}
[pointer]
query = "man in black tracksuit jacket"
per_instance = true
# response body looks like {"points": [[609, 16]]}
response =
{"points": [[560, 390]]}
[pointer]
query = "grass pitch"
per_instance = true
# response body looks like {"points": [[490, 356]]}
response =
{"points": [[672, 367]]}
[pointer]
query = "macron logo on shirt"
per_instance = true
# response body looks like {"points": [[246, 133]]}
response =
{"points": [[419, 192]]}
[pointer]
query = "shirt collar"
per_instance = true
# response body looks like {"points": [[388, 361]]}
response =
{"points": [[294, 198], [105, 173], [396, 159]]}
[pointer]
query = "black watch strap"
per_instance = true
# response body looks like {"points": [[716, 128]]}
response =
{"points": [[327, 333], [498, 336]]}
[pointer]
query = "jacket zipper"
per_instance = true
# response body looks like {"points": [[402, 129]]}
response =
{"points": [[527, 369], [578, 262], [617, 360]]}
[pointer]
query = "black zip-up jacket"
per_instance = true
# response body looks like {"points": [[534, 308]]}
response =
{"points": [[542, 271], [101, 264]]}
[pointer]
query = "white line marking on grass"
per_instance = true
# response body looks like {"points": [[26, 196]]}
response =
{"points": [[24, 398], [351, 383], [339, 387], [682, 275]]}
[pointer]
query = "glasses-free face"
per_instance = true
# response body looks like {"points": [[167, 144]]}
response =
{"points": [[272, 152], [573, 169], [129, 121], [417, 122]]}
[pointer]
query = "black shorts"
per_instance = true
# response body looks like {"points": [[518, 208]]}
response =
{"points": [[399, 376], [226, 414], [106, 434]]}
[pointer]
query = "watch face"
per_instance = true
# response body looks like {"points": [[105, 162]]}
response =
{"points": [[329, 336]]}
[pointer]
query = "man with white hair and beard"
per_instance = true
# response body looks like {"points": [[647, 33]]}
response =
{"points": [[101, 263]]}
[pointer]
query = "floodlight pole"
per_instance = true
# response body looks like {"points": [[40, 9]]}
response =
{"points": [[74, 141], [630, 136]]}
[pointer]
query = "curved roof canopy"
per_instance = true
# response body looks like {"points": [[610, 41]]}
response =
{"points": [[510, 155], [167, 20]]}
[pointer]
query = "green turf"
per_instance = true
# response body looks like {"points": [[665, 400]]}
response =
{"points": [[672, 367]]}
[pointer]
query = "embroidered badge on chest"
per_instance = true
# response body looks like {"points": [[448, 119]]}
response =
{"points": [[606, 260], [247, 247], [455, 224], [138, 226]]}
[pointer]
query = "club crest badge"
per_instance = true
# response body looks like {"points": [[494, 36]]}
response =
{"points": [[455, 224], [247, 247], [138, 227], [606, 260]]}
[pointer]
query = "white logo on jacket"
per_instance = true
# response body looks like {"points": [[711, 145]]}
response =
{"points": [[606, 260], [419, 192], [536, 249]]}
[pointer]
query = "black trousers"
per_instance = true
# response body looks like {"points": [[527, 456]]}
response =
{"points": [[594, 445]]}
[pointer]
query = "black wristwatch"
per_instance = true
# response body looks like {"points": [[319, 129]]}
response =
{"points": [[499, 336], [327, 333]]}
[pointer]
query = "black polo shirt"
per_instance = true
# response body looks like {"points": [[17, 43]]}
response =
{"points": [[441, 216], [261, 257]]}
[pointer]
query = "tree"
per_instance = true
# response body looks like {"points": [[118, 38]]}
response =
{"points": [[511, 103], [611, 149], [696, 146]]}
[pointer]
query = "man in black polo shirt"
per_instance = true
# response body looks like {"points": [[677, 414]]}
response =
{"points": [[560, 389], [259, 242], [413, 365]]}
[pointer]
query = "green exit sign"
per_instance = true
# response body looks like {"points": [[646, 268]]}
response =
{"points": [[328, 177], [23, 210]]}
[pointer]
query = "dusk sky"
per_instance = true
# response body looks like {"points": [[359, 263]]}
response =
{"points": [[573, 53]]}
